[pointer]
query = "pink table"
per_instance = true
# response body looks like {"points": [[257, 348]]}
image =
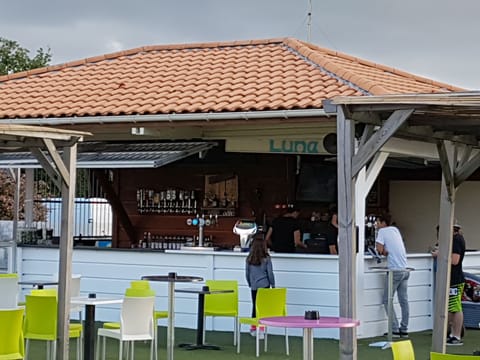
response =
{"points": [[308, 326]]}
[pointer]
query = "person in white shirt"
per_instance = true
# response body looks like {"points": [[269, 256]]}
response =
{"points": [[389, 242]]}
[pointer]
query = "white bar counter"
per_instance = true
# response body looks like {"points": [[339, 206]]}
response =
{"points": [[311, 280]]}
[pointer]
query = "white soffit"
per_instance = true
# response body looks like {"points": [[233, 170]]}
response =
{"points": [[119, 155]]}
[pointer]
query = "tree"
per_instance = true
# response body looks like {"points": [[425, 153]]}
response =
{"points": [[7, 189], [14, 58]]}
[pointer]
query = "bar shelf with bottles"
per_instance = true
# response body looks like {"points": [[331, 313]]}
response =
{"points": [[371, 232], [170, 201], [171, 242]]}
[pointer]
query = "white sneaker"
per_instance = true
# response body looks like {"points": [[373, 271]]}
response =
{"points": [[261, 334]]}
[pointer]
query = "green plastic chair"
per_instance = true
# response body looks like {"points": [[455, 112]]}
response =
{"points": [[9, 275], [11, 334], [269, 303], [222, 304], [140, 284], [41, 324], [440, 356], [44, 292], [403, 350]]}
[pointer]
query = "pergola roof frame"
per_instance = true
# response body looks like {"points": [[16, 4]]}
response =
{"points": [[41, 140], [451, 122]]}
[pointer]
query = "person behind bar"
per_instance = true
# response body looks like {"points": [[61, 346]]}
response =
{"points": [[284, 234], [457, 282], [258, 272], [389, 242]]}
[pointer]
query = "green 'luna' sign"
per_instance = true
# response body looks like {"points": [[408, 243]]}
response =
{"points": [[296, 146]]}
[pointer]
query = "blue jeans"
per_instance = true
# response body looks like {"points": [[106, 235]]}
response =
{"points": [[400, 286]]}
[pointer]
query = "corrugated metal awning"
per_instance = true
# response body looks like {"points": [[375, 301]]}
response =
{"points": [[118, 155]]}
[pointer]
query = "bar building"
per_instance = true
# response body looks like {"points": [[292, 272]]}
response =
{"points": [[228, 130]]}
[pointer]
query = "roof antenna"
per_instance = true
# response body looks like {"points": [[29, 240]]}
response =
{"points": [[309, 23]]}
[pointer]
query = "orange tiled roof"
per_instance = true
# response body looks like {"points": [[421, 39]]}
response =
{"points": [[275, 74]]}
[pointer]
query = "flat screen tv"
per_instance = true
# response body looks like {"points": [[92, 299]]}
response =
{"points": [[317, 182]]}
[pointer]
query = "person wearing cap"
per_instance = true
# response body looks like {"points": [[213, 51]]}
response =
{"points": [[284, 235], [389, 242], [457, 282]]}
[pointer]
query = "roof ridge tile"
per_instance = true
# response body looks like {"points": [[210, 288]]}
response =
{"points": [[384, 67]]}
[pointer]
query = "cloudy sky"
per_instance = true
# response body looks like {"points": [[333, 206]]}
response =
{"points": [[438, 39]]}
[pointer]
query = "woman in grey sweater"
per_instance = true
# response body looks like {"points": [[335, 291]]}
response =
{"points": [[258, 271]]}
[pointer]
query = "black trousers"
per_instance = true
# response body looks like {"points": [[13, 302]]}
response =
{"points": [[254, 302]]}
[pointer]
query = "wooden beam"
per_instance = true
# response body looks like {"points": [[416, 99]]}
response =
{"points": [[466, 169], [346, 233], [117, 205], [411, 148], [377, 140], [56, 158], [445, 236], [49, 168], [16, 203], [374, 169], [367, 134], [66, 251], [465, 155], [29, 197], [447, 167]]}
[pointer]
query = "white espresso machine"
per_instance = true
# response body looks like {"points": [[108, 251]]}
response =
{"points": [[246, 229]]}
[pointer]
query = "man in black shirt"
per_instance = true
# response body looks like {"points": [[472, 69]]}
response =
{"points": [[284, 234], [457, 282]]}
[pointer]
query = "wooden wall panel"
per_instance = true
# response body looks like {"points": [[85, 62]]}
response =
{"points": [[263, 180]]}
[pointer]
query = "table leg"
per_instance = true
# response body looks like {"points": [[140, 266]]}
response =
{"points": [[307, 344], [171, 320], [200, 325], [200, 318], [89, 334]]}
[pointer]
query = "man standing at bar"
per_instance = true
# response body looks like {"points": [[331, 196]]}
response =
{"points": [[457, 282], [389, 242], [284, 235]]}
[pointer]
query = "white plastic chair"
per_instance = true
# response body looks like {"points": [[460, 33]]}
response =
{"points": [[136, 323], [8, 291]]}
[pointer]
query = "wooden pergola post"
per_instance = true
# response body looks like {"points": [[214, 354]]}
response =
{"points": [[346, 233]]}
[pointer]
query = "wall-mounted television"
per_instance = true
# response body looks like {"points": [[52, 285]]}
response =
{"points": [[317, 182]]}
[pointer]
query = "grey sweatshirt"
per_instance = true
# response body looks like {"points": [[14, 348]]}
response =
{"points": [[260, 276]]}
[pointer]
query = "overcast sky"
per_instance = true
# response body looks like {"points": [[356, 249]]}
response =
{"points": [[438, 39]]}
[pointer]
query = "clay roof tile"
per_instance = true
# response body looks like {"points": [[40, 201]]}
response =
{"points": [[250, 75]]}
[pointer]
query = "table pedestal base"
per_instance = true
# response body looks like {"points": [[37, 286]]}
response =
{"points": [[381, 344], [199, 346]]}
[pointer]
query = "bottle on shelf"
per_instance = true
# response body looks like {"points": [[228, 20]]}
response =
{"points": [[214, 201], [168, 201]]}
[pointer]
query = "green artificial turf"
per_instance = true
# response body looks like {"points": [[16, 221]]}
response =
{"points": [[325, 349]]}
